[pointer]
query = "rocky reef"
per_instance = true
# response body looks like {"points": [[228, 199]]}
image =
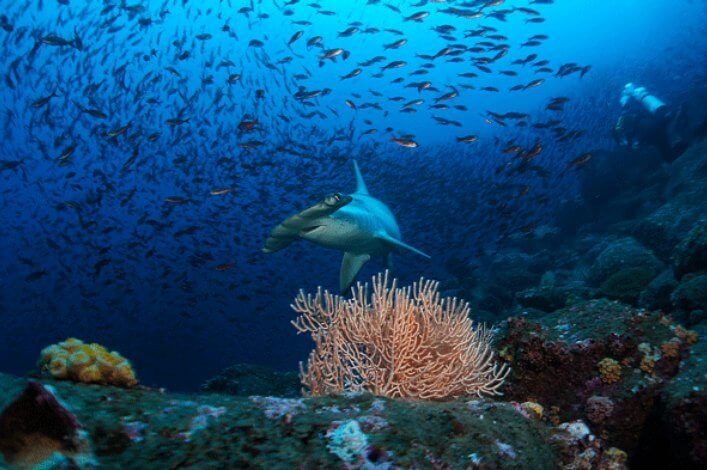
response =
{"points": [[144, 428], [621, 369], [595, 302]]}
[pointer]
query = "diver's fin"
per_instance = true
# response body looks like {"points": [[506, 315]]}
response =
{"points": [[360, 184], [400, 244], [350, 266]]}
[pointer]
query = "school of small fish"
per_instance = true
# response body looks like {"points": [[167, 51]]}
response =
{"points": [[171, 136]]}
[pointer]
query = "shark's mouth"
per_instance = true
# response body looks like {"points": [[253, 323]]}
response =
{"points": [[308, 230]]}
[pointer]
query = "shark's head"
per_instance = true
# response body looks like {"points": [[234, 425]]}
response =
{"points": [[308, 224], [358, 224], [318, 225]]}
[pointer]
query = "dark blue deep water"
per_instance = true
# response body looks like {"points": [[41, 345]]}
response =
{"points": [[119, 119]]}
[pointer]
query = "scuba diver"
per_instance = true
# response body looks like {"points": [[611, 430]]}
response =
{"points": [[648, 121]]}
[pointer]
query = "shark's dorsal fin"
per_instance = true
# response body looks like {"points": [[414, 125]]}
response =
{"points": [[400, 244], [360, 184], [350, 266]]}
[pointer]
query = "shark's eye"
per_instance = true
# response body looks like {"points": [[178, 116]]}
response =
{"points": [[333, 199]]}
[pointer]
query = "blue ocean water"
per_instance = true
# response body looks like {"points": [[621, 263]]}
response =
{"points": [[148, 149]]}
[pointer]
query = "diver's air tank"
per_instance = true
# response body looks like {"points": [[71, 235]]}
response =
{"points": [[651, 103]]}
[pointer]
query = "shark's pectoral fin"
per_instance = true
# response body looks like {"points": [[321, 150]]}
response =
{"points": [[350, 266], [400, 244]]}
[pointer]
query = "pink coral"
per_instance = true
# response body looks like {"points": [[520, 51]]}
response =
{"points": [[399, 342]]}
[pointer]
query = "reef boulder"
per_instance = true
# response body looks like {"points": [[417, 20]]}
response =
{"points": [[690, 298], [690, 255], [656, 295], [623, 253]]}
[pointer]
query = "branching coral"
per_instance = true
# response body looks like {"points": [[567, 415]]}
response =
{"points": [[397, 342]]}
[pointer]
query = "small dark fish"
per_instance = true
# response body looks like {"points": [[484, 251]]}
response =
{"points": [[92, 112], [351, 74], [176, 121], [534, 83], [99, 266], [43, 101], [10, 164], [407, 143], [579, 161], [396, 64], [35, 276], [176, 200], [295, 37], [418, 17]]}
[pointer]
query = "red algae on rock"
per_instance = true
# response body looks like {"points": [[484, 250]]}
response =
{"points": [[37, 429]]}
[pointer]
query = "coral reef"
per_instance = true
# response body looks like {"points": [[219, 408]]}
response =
{"points": [[400, 343], [601, 361], [87, 363]]}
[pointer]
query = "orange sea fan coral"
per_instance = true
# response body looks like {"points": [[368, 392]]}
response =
{"points": [[398, 342]]}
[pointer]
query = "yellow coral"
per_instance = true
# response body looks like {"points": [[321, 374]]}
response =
{"points": [[614, 458], [89, 375], [57, 367], [609, 370], [535, 410], [647, 364], [87, 363]]}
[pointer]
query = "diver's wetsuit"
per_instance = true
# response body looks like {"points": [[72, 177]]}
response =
{"points": [[639, 126]]}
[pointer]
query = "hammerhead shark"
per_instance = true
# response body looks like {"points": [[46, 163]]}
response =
{"points": [[358, 224]]}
